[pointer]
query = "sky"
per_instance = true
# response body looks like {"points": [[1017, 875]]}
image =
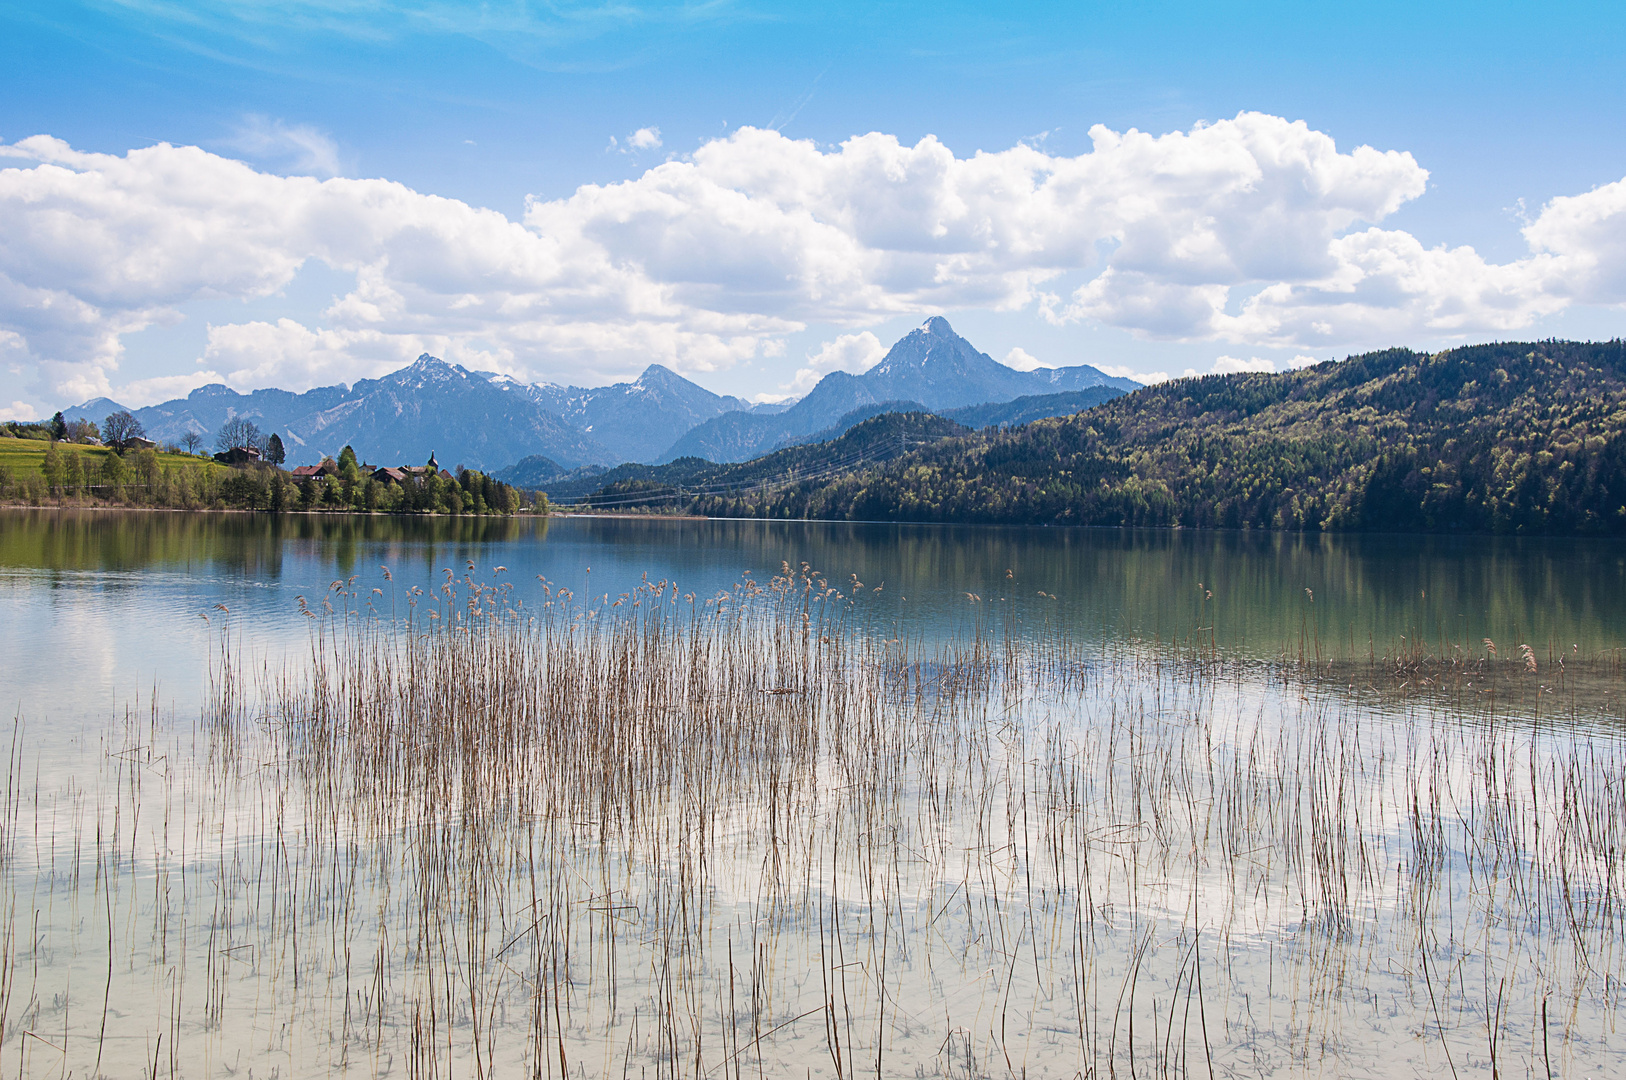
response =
{"points": [[296, 194]]}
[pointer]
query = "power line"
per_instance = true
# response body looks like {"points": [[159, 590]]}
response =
{"points": [[726, 488]]}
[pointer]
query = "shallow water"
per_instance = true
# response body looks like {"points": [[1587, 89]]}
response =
{"points": [[995, 834], [101, 605]]}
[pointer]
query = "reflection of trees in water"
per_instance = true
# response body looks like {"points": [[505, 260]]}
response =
{"points": [[249, 545], [117, 541], [1146, 582], [1442, 590], [353, 540]]}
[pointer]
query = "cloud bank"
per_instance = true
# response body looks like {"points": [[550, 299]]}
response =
{"points": [[852, 353], [1254, 231]]}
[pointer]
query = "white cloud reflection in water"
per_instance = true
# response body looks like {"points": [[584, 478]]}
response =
{"points": [[555, 849]]}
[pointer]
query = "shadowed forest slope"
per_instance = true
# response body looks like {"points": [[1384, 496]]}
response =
{"points": [[1500, 438], [678, 484]]}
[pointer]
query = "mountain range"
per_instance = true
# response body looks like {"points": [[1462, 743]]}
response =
{"points": [[1512, 437], [474, 418], [872, 441], [930, 368], [486, 420], [634, 421]]}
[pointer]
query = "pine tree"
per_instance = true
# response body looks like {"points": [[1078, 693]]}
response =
{"points": [[274, 453]]}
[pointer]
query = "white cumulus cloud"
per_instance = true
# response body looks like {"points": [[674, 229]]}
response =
{"points": [[1121, 371], [1230, 365], [1255, 231], [852, 353], [645, 138], [1020, 359], [165, 387], [1585, 235], [1387, 285]]}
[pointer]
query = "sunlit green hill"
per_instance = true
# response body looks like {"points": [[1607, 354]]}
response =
{"points": [[1487, 438]]}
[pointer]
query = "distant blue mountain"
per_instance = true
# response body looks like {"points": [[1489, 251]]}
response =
{"points": [[932, 367], [428, 406], [489, 421], [633, 421], [478, 419]]}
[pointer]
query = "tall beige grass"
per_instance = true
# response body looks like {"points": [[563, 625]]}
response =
{"points": [[767, 832]]}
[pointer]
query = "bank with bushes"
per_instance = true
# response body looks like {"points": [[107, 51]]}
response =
{"points": [[45, 472]]}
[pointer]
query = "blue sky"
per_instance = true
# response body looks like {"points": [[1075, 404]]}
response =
{"points": [[508, 107]]}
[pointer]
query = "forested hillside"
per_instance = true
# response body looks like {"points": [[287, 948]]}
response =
{"points": [[1503, 438], [677, 484]]}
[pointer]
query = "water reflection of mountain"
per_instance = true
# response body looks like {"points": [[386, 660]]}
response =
{"points": [[1260, 593]]}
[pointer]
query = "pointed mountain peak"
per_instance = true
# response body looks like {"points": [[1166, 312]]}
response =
{"points": [[658, 373], [933, 342], [660, 379], [427, 369]]}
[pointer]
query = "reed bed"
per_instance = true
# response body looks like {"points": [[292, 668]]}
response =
{"points": [[761, 834]]}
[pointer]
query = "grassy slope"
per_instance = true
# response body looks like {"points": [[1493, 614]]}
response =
{"points": [[25, 456], [1493, 438]]}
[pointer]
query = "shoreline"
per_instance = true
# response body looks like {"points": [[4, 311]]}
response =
{"points": [[270, 513], [558, 514], [382, 513]]}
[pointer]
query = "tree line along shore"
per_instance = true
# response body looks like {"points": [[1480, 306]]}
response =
{"points": [[1504, 438], [57, 464]]}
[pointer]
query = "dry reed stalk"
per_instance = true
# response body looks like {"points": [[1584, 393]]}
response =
{"points": [[488, 838]]}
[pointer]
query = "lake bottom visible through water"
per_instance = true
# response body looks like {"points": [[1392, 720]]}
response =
{"points": [[482, 824]]}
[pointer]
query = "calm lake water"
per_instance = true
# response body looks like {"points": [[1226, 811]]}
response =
{"points": [[946, 802], [100, 605]]}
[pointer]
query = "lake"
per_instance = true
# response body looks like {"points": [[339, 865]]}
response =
{"points": [[115, 598], [593, 796]]}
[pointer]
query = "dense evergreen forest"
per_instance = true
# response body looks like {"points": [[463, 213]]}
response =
{"points": [[1500, 438]]}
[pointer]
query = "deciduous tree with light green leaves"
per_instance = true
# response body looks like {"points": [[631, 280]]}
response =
{"points": [[54, 467], [114, 474], [74, 472]]}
